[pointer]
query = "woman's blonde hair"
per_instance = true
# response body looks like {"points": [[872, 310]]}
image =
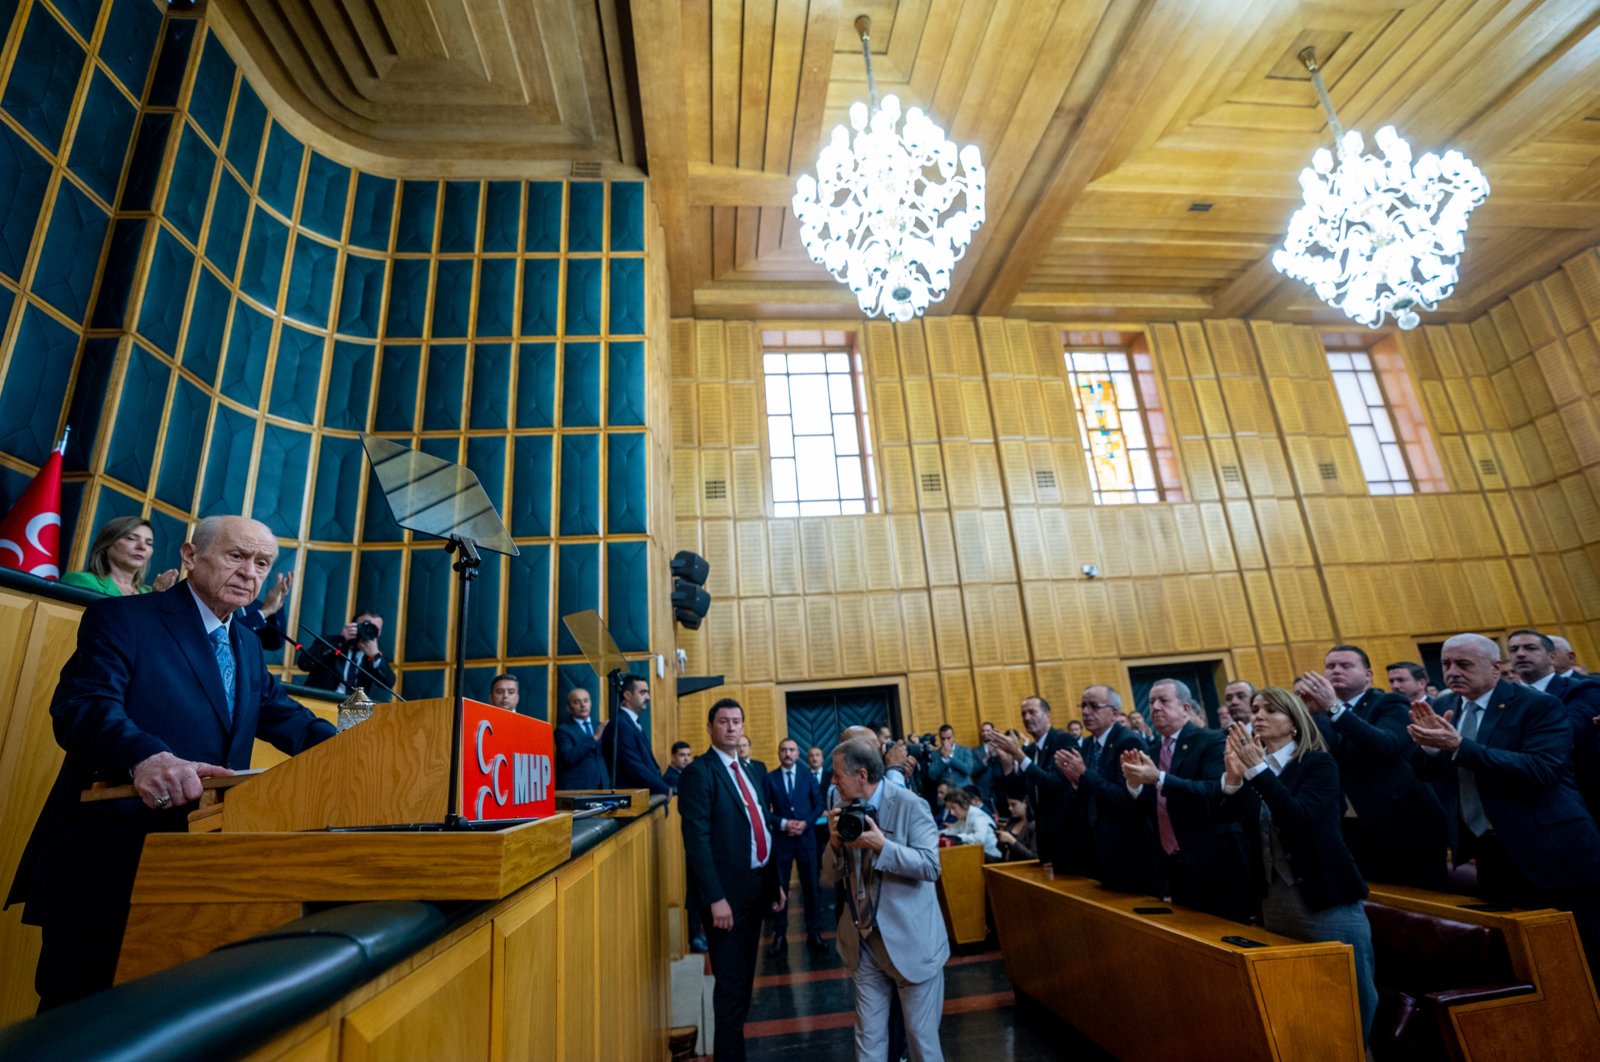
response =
{"points": [[958, 798], [113, 530], [1286, 702]]}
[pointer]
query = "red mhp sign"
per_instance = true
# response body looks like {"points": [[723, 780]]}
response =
{"points": [[507, 764]]}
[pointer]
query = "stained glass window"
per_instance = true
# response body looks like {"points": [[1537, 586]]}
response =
{"points": [[1116, 440], [1383, 460], [818, 433]]}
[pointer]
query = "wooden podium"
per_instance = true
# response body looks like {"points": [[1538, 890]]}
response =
{"points": [[253, 861]]}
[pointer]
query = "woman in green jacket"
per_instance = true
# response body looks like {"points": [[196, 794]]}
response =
{"points": [[119, 559]]}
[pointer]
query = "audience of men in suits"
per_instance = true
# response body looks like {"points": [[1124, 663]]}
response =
{"points": [[795, 802], [1409, 679], [579, 764], [1236, 700], [956, 764], [505, 692]]}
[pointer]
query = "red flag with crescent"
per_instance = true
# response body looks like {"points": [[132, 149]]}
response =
{"points": [[30, 535]]}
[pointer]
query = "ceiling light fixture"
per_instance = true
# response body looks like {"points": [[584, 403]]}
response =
{"points": [[881, 214], [1377, 235]]}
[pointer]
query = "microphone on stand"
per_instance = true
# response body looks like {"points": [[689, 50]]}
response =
{"points": [[342, 655]]}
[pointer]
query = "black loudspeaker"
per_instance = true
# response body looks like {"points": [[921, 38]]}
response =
{"points": [[689, 598]]}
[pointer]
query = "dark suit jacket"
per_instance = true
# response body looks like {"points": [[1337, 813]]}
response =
{"points": [[1305, 806], [142, 681], [325, 670], [1049, 793], [1522, 759], [636, 764], [1212, 847], [1124, 839], [1581, 697], [804, 805], [1397, 810], [579, 764], [272, 630], [716, 835]]}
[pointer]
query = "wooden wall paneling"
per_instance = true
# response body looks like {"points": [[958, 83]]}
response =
{"points": [[1155, 622], [1277, 668], [788, 621], [1210, 624], [921, 421], [910, 564], [844, 536], [521, 944], [816, 561], [922, 648], [930, 476], [753, 572], [939, 541], [877, 544], [439, 1010], [1010, 623], [887, 633], [972, 553], [986, 470], [756, 641], [1112, 553], [855, 640], [926, 695], [949, 626], [784, 536], [1530, 582], [1038, 600], [1031, 562], [822, 636], [765, 728], [1133, 532], [997, 540], [1068, 540], [947, 406], [960, 706], [722, 636], [960, 479], [899, 481]]}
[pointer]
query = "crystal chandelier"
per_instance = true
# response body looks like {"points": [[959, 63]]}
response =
{"points": [[881, 214], [1377, 235]]}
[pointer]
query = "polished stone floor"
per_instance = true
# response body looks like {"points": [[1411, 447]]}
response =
{"points": [[804, 1010]]}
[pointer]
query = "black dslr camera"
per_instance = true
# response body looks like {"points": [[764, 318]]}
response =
{"points": [[853, 819], [366, 631]]}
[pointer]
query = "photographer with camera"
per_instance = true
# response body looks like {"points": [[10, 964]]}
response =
{"points": [[354, 659], [883, 846]]}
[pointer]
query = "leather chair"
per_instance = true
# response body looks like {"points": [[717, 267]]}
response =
{"points": [[1425, 965]]}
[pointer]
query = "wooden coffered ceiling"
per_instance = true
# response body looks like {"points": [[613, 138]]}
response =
{"points": [[1142, 155]]}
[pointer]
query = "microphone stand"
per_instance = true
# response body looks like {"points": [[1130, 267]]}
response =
{"points": [[338, 652]]}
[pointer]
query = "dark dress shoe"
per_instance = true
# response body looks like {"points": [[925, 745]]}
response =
{"points": [[698, 944], [779, 946], [816, 945]]}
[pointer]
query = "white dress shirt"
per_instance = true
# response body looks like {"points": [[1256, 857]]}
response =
{"points": [[731, 764]]}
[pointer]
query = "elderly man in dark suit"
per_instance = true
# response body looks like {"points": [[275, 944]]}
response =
{"points": [[579, 764], [732, 876], [624, 745], [1504, 752], [1123, 839], [163, 691], [1204, 858], [1397, 833]]}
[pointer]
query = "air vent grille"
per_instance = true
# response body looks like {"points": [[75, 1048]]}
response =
{"points": [[1045, 479], [716, 489], [1328, 470], [1487, 466], [932, 483], [1231, 474], [585, 168]]}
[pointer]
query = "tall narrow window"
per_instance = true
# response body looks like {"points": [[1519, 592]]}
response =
{"points": [[1378, 446], [817, 428], [1111, 420]]}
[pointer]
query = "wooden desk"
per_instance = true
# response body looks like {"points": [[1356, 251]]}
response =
{"points": [[961, 893], [1166, 987], [1560, 1019]]}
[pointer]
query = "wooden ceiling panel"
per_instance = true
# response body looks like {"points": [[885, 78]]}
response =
{"points": [[1102, 124], [446, 85]]}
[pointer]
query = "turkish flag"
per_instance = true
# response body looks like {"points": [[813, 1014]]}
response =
{"points": [[30, 536]]}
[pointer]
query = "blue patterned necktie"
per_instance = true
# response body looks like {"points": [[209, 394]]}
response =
{"points": [[224, 654]]}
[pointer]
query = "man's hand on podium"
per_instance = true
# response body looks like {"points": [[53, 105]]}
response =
{"points": [[163, 780]]}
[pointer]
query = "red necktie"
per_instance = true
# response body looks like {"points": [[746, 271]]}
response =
{"points": [[1169, 840], [750, 810]]}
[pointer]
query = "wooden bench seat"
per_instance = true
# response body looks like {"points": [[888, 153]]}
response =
{"points": [[1167, 987]]}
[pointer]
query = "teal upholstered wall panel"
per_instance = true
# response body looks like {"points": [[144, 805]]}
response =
{"points": [[258, 303]]}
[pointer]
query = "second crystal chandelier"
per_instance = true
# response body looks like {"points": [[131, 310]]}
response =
{"points": [[1379, 236], [882, 214]]}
